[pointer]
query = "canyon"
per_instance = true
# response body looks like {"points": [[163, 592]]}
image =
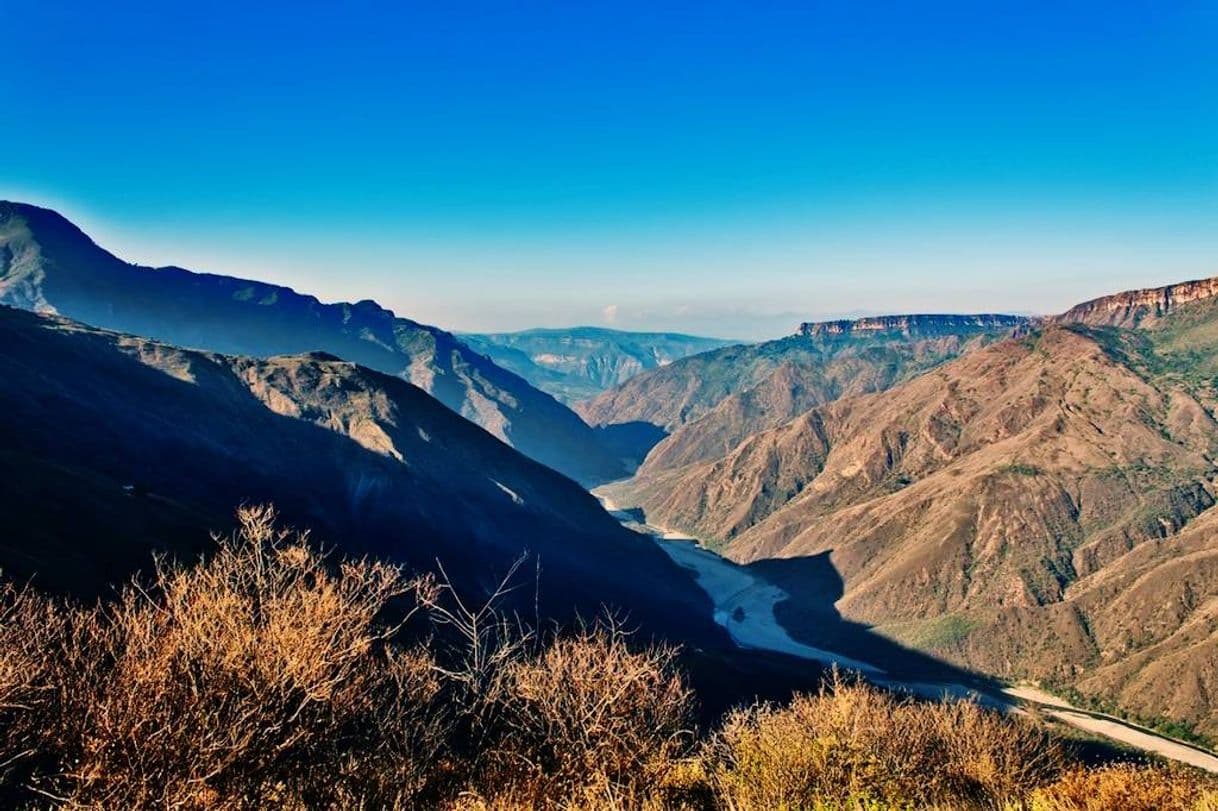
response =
{"points": [[1039, 506]]}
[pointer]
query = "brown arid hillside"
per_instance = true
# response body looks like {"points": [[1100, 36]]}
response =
{"points": [[116, 446], [709, 402], [1042, 507], [49, 265]]}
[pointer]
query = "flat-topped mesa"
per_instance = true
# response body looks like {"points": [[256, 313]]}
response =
{"points": [[1128, 309], [912, 325]]}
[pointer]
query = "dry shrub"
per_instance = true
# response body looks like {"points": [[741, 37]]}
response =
{"points": [[589, 717], [584, 720], [49, 672], [29, 624], [260, 677], [265, 677], [1128, 787], [852, 743], [991, 755]]}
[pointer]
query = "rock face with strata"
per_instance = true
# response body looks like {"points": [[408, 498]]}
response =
{"points": [[1131, 308], [923, 325]]}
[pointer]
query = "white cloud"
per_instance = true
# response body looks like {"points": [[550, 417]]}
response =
{"points": [[609, 313]]}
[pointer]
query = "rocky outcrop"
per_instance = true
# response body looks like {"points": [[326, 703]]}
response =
{"points": [[1130, 308], [928, 325]]}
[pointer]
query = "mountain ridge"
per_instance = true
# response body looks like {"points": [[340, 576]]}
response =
{"points": [[1129, 308], [580, 362], [116, 446], [47, 264], [911, 325], [706, 403]]}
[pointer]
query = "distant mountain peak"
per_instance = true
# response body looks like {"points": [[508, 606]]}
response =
{"points": [[49, 224], [576, 363], [915, 324]]}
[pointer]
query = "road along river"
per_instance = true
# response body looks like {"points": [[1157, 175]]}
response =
{"points": [[744, 607]]}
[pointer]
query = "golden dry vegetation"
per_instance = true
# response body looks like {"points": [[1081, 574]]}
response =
{"points": [[271, 676]]}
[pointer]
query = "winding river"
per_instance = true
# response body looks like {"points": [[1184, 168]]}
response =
{"points": [[744, 607]]}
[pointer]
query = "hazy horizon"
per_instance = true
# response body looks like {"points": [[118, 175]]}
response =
{"points": [[712, 170]]}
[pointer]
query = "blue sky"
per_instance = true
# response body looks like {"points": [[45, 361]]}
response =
{"points": [[726, 168]]}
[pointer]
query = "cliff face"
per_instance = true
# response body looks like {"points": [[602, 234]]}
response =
{"points": [[1130, 308], [911, 325]]}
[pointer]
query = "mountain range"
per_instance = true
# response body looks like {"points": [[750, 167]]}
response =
{"points": [[115, 446], [702, 406], [580, 362], [1040, 506], [1025, 498], [48, 265]]}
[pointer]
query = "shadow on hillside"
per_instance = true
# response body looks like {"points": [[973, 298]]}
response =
{"points": [[810, 615], [107, 460], [630, 441], [724, 678]]}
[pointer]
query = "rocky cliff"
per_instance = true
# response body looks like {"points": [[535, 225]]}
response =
{"points": [[1130, 308], [911, 325]]}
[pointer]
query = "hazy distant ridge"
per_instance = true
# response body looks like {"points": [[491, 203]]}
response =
{"points": [[580, 362], [923, 325]]}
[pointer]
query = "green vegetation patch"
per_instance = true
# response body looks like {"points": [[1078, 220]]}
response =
{"points": [[942, 632], [1020, 469], [1180, 730]]}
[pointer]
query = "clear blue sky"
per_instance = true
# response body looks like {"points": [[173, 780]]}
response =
{"points": [[728, 168]]}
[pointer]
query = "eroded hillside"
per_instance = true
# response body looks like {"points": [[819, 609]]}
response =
{"points": [[1041, 507], [712, 401]]}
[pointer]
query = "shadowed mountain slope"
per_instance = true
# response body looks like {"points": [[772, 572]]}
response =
{"points": [[581, 362], [114, 446], [1042, 507], [49, 265]]}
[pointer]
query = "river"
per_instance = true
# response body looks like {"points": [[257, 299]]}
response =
{"points": [[744, 606]]}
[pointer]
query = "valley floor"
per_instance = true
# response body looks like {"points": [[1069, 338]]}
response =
{"points": [[744, 606]]}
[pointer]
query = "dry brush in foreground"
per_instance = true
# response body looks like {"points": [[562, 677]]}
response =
{"points": [[269, 676]]}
